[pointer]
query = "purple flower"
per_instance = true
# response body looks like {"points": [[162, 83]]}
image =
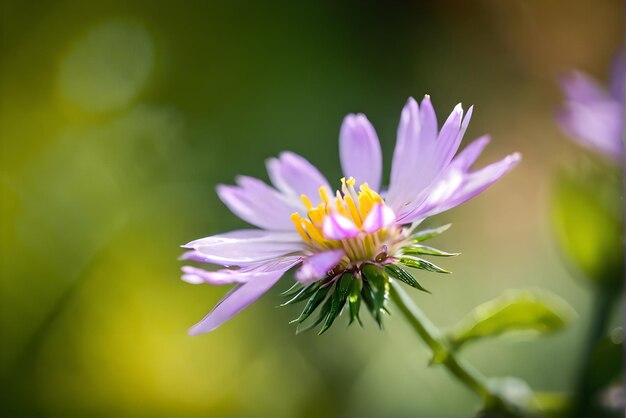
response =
{"points": [[592, 115], [345, 244]]}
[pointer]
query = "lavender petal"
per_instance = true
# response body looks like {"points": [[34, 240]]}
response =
{"points": [[317, 266], [339, 227], [380, 216], [360, 152]]}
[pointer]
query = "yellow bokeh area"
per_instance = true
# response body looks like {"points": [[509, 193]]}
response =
{"points": [[117, 120]]}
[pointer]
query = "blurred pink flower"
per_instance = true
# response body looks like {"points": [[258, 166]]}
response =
{"points": [[592, 115]]}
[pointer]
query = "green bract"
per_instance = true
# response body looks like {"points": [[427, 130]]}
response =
{"points": [[368, 285]]}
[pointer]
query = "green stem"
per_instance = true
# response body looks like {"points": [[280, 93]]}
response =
{"points": [[604, 300], [442, 354]]}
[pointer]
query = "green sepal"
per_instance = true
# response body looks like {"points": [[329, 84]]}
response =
{"points": [[313, 303], [354, 300], [417, 249], [293, 290], [376, 291], [515, 310], [338, 300], [304, 293], [368, 297], [429, 233], [323, 313], [421, 264], [404, 276]]}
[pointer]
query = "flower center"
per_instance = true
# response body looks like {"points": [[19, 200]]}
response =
{"points": [[350, 221]]}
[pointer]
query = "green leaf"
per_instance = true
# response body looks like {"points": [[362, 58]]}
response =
{"points": [[354, 300], [304, 293], [404, 276], [429, 233], [417, 249], [418, 263], [323, 314], [588, 221], [376, 291], [515, 310], [312, 304], [338, 300]]}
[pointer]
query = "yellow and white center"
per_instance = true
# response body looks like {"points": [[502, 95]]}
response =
{"points": [[353, 208]]}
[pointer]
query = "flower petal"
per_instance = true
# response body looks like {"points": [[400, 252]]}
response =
{"points": [[294, 175], [579, 87], [238, 299], [338, 227], [451, 135], [406, 152], [428, 121], [359, 151], [258, 204], [597, 126], [618, 76], [317, 266], [421, 156], [244, 247], [456, 187], [380, 216], [464, 160], [196, 275]]}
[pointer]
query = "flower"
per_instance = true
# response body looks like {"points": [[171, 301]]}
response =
{"points": [[592, 115], [347, 244]]}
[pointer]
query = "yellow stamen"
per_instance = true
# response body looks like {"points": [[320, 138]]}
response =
{"points": [[324, 195], [296, 219], [316, 215], [306, 201], [341, 206], [365, 188], [354, 212], [313, 232], [365, 204]]}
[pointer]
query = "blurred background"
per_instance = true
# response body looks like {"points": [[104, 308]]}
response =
{"points": [[117, 120]]}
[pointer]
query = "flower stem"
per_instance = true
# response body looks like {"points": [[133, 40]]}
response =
{"points": [[603, 304], [441, 353]]}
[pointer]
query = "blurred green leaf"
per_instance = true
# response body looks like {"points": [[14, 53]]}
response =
{"points": [[588, 222], [515, 310], [429, 233], [404, 276], [606, 360]]}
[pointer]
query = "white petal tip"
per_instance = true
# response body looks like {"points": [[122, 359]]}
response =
{"points": [[192, 332], [192, 279], [515, 157]]}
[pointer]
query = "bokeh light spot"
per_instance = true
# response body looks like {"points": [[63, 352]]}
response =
{"points": [[108, 67]]}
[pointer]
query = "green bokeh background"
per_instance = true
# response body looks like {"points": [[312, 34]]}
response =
{"points": [[117, 119]]}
